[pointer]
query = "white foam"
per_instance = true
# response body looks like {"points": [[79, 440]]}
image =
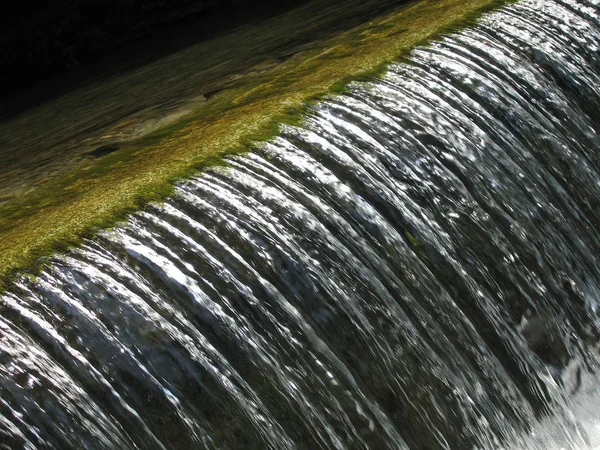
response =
{"points": [[576, 427]]}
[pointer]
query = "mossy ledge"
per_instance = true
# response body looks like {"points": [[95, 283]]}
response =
{"points": [[82, 201]]}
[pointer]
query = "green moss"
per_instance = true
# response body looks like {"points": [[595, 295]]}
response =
{"points": [[80, 202], [417, 246]]}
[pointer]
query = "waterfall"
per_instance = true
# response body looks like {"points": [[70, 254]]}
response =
{"points": [[416, 266]]}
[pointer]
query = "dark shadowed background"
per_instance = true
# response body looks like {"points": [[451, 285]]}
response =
{"points": [[49, 47]]}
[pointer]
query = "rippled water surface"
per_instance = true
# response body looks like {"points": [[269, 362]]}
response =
{"points": [[418, 266]]}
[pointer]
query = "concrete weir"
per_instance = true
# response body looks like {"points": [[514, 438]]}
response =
{"points": [[83, 161]]}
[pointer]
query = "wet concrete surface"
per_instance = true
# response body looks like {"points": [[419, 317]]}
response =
{"points": [[76, 128]]}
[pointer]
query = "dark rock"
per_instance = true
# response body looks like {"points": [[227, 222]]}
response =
{"points": [[104, 150]]}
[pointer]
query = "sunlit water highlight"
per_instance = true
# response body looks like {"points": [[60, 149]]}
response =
{"points": [[415, 267]]}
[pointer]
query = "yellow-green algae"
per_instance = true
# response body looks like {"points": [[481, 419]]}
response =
{"points": [[82, 201]]}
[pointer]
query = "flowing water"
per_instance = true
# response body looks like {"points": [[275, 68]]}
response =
{"points": [[417, 266]]}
